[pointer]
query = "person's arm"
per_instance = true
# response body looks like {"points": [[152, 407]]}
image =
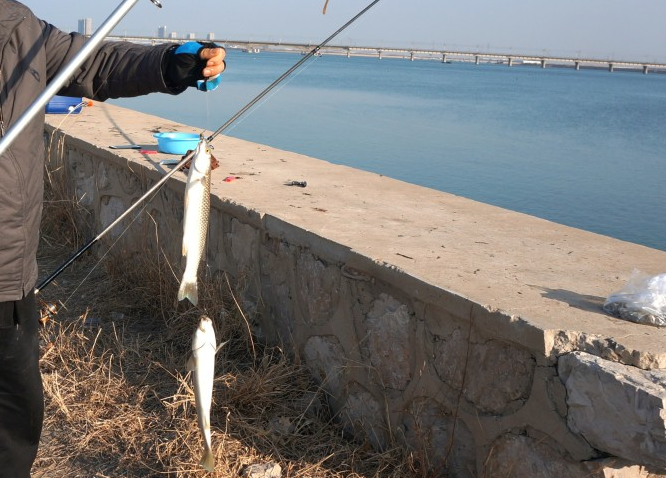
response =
{"points": [[122, 69]]}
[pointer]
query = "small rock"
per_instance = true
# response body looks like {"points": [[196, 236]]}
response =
{"points": [[267, 470]]}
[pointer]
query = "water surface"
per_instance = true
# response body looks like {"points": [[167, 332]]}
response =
{"points": [[582, 148]]}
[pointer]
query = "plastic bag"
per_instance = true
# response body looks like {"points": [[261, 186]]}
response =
{"points": [[641, 300]]}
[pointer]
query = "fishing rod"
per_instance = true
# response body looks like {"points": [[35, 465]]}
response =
{"points": [[270, 87], [189, 156], [66, 73]]}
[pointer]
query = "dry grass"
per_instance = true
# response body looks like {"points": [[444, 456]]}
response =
{"points": [[119, 400]]}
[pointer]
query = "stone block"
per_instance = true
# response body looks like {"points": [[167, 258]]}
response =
{"points": [[619, 409], [618, 468], [498, 376], [445, 446], [522, 456], [318, 288], [324, 358], [243, 242], [363, 416], [111, 207], [388, 343], [81, 166]]}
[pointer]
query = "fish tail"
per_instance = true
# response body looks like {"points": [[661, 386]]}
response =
{"points": [[208, 460], [188, 290]]}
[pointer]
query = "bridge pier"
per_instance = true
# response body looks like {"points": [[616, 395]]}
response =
{"points": [[476, 60], [443, 57], [577, 65], [411, 56], [543, 63], [510, 61], [645, 69], [348, 52], [611, 67], [380, 54]]}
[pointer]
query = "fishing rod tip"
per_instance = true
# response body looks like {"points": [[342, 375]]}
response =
{"points": [[156, 2]]}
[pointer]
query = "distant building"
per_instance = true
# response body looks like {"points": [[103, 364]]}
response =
{"points": [[210, 37], [162, 32], [85, 26], [191, 36], [173, 35]]}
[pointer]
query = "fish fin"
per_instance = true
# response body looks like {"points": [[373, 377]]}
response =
{"points": [[208, 460], [221, 345], [191, 361], [188, 290]]}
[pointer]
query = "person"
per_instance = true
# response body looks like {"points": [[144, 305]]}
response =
{"points": [[31, 53]]}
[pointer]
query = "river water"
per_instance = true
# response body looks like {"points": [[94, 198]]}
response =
{"points": [[582, 148]]}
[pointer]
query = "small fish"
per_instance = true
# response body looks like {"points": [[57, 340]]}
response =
{"points": [[202, 364], [195, 222], [325, 7]]}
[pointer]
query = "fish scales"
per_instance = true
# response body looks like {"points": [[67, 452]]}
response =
{"points": [[195, 221], [202, 365]]}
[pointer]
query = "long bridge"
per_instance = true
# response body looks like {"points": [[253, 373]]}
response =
{"points": [[445, 56]]}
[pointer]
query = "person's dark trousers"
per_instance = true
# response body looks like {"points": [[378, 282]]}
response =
{"points": [[21, 393]]}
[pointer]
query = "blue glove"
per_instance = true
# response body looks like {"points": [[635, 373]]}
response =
{"points": [[184, 67]]}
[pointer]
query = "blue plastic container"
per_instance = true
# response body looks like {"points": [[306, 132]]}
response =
{"points": [[62, 105], [176, 143]]}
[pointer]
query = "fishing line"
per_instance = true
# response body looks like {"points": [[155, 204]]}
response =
{"points": [[207, 112], [157, 186]]}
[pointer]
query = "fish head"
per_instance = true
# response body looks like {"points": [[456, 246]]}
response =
{"points": [[203, 146], [201, 160]]}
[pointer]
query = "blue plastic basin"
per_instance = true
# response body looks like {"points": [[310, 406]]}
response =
{"points": [[176, 143]]}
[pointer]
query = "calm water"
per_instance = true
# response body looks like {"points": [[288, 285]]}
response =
{"points": [[582, 148]]}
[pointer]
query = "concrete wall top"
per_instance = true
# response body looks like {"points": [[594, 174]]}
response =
{"points": [[550, 278]]}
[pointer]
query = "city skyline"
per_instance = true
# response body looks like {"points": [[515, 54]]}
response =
{"points": [[604, 29]]}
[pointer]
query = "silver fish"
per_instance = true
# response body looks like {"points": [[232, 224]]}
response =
{"points": [[195, 222], [202, 365]]}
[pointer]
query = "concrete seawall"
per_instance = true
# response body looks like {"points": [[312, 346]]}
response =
{"points": [[468, 333]]}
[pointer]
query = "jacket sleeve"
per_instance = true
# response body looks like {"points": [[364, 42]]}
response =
{"points": [[113, 70]]}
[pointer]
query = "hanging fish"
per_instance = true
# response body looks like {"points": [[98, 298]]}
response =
{"points": [[202, 365], [195, 222]]}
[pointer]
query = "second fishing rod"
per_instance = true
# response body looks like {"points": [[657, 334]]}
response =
{"points": [[148, 195]]}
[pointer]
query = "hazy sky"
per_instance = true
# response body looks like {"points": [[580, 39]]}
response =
{"points": [[605, 29]]}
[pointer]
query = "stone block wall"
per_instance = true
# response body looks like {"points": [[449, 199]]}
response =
{"points": [[472, 389]]}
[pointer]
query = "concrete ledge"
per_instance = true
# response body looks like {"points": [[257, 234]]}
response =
{"points": [[429, 318]]}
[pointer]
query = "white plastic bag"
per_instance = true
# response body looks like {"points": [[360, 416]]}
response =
{"points": [[641, 300]]}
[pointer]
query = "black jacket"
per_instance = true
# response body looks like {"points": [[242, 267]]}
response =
{"points": [[31, 54]]}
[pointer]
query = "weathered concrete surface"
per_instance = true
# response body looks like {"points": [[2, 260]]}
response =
{"points": [[429, 319]]}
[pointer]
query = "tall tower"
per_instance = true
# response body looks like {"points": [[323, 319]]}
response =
{"points": [[162, 32], [85, 26]]}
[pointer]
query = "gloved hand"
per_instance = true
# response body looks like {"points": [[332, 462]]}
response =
{"points": [[194, 64]]}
